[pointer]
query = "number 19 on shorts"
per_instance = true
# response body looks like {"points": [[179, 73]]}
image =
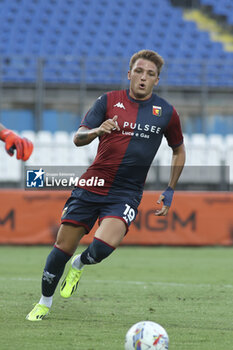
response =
{"points": [[129, 214]]}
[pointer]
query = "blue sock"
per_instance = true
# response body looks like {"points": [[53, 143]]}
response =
{"points": [[96, 252], [54, 267]]}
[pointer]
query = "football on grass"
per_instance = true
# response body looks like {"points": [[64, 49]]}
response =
{"points": [[146, 335]]}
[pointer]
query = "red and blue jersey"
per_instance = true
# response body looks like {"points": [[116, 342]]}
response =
{"points": [[124, 157]]}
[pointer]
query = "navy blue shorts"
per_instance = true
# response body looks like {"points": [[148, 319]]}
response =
{"points": [[83, 208]]}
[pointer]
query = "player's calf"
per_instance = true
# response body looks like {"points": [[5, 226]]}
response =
{"points": [[96, 252], [54, 267]]}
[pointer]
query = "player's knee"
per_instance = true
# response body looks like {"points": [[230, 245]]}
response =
{"points": [[96, 252]]}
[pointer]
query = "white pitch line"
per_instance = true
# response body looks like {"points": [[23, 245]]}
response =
{"points": [[165, 284], [142, 283]]}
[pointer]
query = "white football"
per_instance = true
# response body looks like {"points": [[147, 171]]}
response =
{"points": [[146, 335]]}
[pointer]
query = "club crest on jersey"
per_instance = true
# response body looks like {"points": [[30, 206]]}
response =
{"points": [[157, 111]]}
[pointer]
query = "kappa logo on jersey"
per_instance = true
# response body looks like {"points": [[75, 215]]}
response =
{"points": [[157, 111], [120, 105]]}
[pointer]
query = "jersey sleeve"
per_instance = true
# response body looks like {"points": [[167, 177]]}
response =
{"points": [[96, 114], [173, 131]]}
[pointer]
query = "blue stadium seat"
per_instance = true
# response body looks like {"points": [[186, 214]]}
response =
{"points": [[222, 8]]}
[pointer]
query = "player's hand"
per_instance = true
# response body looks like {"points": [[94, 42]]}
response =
{"points": [[166, 197], [108, 126], [23, 146]]}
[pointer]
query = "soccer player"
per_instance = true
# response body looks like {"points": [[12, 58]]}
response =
{"points": [[130, 125], [23, 146]]}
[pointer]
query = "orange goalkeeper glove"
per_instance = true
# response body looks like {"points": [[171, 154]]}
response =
{"points": [[23, 146]]}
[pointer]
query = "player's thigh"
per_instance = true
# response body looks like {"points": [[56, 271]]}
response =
{"points": [[111, 231], [69, 236]]}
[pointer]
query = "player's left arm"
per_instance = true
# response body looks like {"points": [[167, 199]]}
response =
{"points": [[174, 136], [177, 165], [23, 146]]}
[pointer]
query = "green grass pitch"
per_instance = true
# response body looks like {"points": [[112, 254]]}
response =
{"points": [[189, 291]]}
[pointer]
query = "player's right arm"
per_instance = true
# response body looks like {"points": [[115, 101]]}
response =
{"points": [[84, 136], [95, 124]]}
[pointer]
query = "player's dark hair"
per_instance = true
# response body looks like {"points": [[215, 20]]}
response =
{"points": [[147, 55]]}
